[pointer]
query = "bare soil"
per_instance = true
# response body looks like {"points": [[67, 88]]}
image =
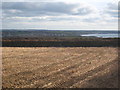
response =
{"points": [[60, 67]]}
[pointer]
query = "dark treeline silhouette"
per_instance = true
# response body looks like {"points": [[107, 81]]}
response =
{"points": [[95, 43]]}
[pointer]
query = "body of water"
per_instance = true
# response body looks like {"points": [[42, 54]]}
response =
{"points": [[102, 35]]}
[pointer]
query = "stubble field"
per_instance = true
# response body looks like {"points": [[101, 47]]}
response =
{"points": [[60, 67]]}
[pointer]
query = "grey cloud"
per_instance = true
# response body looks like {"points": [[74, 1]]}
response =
{"points": [[30, 9], [91, 19], [62, 19], [113, 6], [83, 11], [112, 9]]}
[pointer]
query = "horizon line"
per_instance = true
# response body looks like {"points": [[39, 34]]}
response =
{"points": [[67, 29]]}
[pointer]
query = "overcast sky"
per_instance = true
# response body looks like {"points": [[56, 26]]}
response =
{"points": [[60, 14]]}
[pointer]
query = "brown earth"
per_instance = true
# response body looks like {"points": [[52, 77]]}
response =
{"points": [[60, 67]]}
